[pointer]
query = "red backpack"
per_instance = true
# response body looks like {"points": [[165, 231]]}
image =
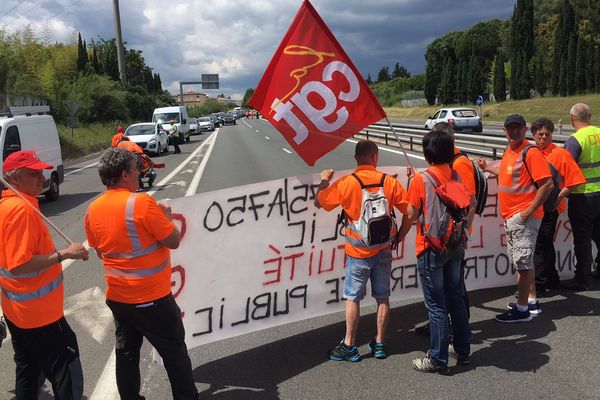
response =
{"points": [[447, 230]]}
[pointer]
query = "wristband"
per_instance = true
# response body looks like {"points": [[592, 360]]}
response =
{"points": [[60, 257]]}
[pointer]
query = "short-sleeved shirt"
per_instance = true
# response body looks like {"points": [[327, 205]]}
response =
{"points": [[22, 236], [416, 198], [568, 170], [516, 191], [130, 146], [464, 168], [347, 192], [107, 231]]}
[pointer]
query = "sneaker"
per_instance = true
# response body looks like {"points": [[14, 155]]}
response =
{"points": [[344, 353], [514, 315], [422, 330], [534, 309], [377, 349], [426, 365]]}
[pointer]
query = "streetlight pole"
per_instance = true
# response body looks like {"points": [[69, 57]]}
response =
{"points": [[119, 40]]}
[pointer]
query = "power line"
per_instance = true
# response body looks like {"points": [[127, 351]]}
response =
{"points": [[48, 19], [9, 11]]}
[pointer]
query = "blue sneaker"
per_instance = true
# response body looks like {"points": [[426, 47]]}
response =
{"points": [[534, 308], [377, 349], [345, 353], [514, 315]]}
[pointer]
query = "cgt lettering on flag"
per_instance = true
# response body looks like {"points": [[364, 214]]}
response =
{"points": [[311, 92]]}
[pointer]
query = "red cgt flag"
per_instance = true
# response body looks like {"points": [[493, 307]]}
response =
{"points": [[311, 92]]}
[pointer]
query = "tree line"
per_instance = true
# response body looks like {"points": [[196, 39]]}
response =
{"points": [[546, 47], [31, 65]]}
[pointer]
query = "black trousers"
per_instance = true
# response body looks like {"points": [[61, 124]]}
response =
{"points": [[160, 322], [174, 141], [584, 215], [544, 256], [49, 351]]}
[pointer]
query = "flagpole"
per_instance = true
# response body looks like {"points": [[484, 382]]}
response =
{"points": [[399, 142], [8, 185]]}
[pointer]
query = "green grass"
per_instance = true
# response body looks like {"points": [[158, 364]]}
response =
{"points": [[85, 140], [554, 108]]}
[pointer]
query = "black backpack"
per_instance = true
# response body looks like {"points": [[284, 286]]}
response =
{"points": [[481, 185], [551, 201]]}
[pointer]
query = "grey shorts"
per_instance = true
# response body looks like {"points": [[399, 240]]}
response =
{"points": [[521, 237]]}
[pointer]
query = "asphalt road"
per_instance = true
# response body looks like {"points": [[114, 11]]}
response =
{"points": [[553, 356]]}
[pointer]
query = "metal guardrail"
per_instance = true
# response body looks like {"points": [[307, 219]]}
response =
{"points": [[486, 144]]}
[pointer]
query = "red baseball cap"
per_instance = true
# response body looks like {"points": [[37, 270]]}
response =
{"points": [[24, 159], [119, 129]]}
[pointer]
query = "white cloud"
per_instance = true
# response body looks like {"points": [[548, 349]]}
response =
{"points": [[182, 39]]}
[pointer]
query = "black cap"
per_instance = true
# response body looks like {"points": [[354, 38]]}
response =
{"points": [[515, 119]]}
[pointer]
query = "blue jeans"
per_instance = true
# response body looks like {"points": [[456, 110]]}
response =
{"points": [[442, 289]]}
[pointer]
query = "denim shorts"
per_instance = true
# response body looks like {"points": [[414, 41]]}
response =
{"points": [[521, 237], [359, 270]]}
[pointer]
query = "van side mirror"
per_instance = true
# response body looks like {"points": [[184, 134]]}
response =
{"points": [[184, 121], [13, 148]]}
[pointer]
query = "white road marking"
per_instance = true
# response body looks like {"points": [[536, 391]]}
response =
{"points": [[286, 150], [257, 131], [106, 387], [167, 178], [248, 125], [82, 168], [89, 309], [198, 175], [268, 138], [229, 388]]}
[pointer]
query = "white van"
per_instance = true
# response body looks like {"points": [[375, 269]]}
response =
{"points": [[37, 133], [178, 114]]}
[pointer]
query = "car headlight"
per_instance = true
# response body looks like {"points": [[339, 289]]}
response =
{"points": [[153, 140]]}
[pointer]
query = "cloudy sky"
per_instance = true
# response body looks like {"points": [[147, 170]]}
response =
{"points": [[182, 39]]}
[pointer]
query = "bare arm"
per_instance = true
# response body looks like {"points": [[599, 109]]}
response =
{"points": [[545, 188], [488, 168], [172, 241], [326, 176], [40, 262], [471, 214]]}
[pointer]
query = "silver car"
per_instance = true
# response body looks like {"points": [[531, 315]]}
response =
{"points": [[205, 124], [462, 119]]}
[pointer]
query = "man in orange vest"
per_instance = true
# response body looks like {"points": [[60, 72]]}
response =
{"points": [[365, 261], [523, 187], [118, 137], [133, 235], [571, 176], [32, 286]]}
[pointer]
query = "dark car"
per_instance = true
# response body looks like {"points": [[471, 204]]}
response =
{"points": [[229, 118], [215, 119]]}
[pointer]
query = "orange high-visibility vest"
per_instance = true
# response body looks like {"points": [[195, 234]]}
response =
{"points": [[126, 229], [34, 299], [130, 146]]}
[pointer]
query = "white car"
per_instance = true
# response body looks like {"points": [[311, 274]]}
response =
{"points": [[151, 137], [194, 126], [462, 119]]}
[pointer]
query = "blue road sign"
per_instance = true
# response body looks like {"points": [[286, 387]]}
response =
{"points": [[479, 101]]}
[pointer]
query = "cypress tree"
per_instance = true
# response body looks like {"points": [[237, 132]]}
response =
{"points": [[580, 65], [460, 88], [597, 69], [572, 65], [590, 81], [447, 85], [369, 80], [499, 79], [474, 83], [430, 84], [525, 85], [81, 55]]}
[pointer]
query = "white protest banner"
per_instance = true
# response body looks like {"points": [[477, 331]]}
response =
{"points": [[261, 255]]}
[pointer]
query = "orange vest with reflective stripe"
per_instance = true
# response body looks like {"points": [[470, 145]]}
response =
{"points": [[137, 266], [35, 299]]}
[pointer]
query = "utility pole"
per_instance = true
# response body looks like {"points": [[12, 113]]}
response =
{"points": [[119, 37]]}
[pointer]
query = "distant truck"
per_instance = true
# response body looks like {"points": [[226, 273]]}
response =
{"points": [[178, 114], [21, 130]]}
